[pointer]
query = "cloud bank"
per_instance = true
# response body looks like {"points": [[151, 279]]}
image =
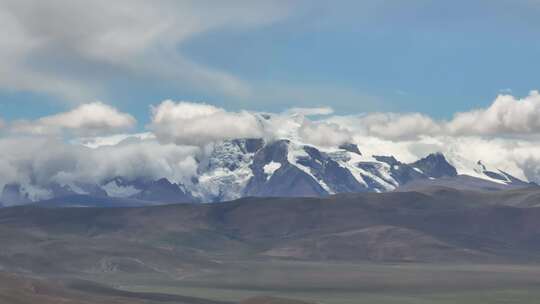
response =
{"points": [[39, 162], [507, 116], [504, 135]]}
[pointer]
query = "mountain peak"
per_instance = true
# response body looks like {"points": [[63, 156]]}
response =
{"points": [[435, 165], [481, 168], [387, 159], [497, 174], [351, 148], [165, 191]]}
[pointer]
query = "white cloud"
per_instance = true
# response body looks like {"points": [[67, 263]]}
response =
{"points": [[323, 134], [310, 111], [507, 115], [111, 140], [87, 119], [37, 162], [71, 48], [389, 125], [187, 123]]}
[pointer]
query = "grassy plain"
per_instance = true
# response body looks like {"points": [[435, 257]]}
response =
{"points": [[348, 283]]}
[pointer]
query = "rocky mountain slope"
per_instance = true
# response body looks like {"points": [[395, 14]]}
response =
{"points": [[436, 225]]}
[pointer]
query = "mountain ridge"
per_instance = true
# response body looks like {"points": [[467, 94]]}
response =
{"points": [[279, 168]]}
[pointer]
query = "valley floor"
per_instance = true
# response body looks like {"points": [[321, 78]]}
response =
{"points": [[346, 283]]}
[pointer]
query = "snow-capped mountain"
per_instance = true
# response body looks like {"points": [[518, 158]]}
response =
{"points": [[161, 190], [252, 167], [224, 174], [496, 175], [115, 192]]}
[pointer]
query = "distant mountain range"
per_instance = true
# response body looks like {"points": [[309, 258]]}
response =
{"points": [[280, 168]]}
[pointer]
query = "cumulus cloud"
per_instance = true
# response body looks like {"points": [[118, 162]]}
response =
{"points": [[395, 126], [187, 123], [507, 115], [323, 134], [407, 135], [87, 119]]}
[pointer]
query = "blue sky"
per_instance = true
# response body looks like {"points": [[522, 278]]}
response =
{"points": [[433, 57]]}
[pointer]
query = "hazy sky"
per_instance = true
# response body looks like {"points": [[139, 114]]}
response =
{"points": [[433, 57]]}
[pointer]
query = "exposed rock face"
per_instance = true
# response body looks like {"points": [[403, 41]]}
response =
{"points": [[287, 180], [435, 166], [351, 148], [164, 191], [402, 173]]}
